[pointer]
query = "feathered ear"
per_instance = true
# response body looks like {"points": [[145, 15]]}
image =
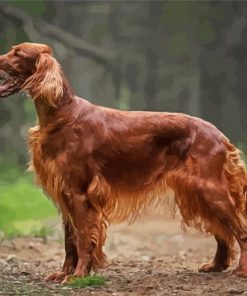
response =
{"points": [[46, 82]]}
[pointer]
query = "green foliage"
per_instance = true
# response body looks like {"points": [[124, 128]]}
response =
{"points": [[205, 33], [9, 174], [178, 45], [89, 281], [177, 14], [24, 209], [29, 109], [124, 100], [34, 8], [197, 19]]}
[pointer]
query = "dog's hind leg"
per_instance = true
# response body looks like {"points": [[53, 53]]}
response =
{"points": [[221, 259], [207, 204], [220, 218], [241, 270], [223, 220]]}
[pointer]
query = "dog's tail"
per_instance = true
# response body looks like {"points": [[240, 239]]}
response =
{"points": [[236, 175]]}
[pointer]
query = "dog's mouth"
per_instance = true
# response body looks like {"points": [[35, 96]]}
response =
{"points": [[9, 85]]}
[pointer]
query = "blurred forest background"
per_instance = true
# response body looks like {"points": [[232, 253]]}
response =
{"points": [[187, 56]]}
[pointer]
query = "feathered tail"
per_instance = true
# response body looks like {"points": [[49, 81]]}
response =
{"points": [[236, 175]]}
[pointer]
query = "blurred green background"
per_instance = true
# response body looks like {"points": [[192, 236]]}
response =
{"points": [[187, 56]]}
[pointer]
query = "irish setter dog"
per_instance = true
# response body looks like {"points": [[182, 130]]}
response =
{"points": [[101, 165]]}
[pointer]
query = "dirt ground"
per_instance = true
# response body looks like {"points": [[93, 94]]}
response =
{"points": [[151, 257]]}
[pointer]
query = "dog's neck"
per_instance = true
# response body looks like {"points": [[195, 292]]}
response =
{"points": [[46, 112]]}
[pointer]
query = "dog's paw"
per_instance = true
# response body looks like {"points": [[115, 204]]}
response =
{"points": [[211, 267], [56, 277], [239, 272]]}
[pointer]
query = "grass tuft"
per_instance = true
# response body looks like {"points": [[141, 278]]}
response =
{"points": [[88, 281]]}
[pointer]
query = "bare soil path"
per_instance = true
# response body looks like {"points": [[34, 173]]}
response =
{"points": [[151, 257]]}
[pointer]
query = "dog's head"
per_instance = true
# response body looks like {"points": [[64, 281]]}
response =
{"points": [[30, 67]]}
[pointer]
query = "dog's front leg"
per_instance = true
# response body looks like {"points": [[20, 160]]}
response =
{"points": [[71, 257], [89, 233]]}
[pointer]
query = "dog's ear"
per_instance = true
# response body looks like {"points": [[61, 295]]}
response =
{"points": [[46, 82]]}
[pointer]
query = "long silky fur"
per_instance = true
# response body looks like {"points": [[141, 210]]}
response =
{"points": [[129, 205], [236, 175], [117, 205], [48, 176], [112, 203], [46, 82]]}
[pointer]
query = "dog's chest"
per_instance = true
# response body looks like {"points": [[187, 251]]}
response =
{"points": [[47, 170]]}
